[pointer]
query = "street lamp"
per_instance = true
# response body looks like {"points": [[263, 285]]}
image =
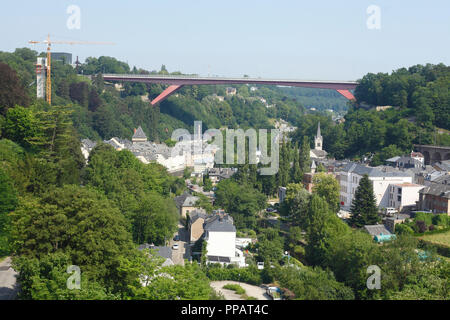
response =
{"points": [[288, 255]]}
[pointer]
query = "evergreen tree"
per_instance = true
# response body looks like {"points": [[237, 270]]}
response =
{"points": [[296, 170], [364, 207], [304, 160]]}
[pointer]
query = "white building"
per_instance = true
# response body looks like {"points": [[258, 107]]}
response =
{"points": [[220, 235], [352, 173], [195, 152], [404, 196]]}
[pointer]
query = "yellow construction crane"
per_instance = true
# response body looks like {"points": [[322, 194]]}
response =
{"points": [[49, 61]]}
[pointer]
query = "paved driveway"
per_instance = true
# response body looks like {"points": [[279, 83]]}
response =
{"points": [[8, 282], [250, 290]]}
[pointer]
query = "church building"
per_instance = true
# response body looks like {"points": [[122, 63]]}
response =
{"points": [[318, 152]]}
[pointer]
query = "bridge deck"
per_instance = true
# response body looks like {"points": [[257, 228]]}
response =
{"points": [[193, 80]]}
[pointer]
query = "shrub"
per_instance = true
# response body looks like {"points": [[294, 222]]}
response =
{"points": [[441, 220], [235, 287], [403, 229], [288, 294], [250, 275], [431, 227], [424, 216], [421, 226]]}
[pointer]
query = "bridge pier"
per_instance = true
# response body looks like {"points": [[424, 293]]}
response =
{"points": [[433, 154]]}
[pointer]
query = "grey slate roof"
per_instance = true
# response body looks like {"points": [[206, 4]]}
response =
{"points": [[88, 144], [197, 214], [440, 190], [165, 252], [374, 172], [445, 179], [150, 150], [377, 229], [139, 134], [319, 153], [190, 201], [223, 173], [180, 199], [442, 165], [220, 223]]}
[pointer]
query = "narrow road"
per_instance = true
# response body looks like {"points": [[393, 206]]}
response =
{"points": [[8, 282], [250, 290], [183, 252]]}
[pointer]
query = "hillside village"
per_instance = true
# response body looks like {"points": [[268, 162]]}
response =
{"points": [[404, 185]]}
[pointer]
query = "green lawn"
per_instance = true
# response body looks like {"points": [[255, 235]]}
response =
{"points": [[439, 238]]}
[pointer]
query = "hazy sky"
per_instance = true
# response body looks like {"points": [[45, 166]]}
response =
{"points": [[322, 40]]}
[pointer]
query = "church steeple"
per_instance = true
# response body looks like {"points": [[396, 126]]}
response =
{"points": [[318, 140]]}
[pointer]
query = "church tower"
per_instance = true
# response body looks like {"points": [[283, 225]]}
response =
{"points": [[318, 139]]}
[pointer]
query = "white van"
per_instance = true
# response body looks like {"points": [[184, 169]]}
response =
{"points": [[390, 211]]}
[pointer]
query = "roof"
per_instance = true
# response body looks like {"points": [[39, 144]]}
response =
{"points": [[407, 184], [399, 216], [190, 201], [417, 154], [373, 172], [88, 144], [165, 252], [393, 159], [440, 190], [445, 179], [318, 130], [180, 199], [319, 153], [224, 173], [139, 134], [442, 165], [220, 223], [377, 229], [219, 259], [197, 214]]}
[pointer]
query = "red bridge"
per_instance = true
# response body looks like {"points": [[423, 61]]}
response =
{"points": [[176, 82]]}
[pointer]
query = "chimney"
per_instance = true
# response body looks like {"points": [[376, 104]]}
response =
{"points": [[134, 130]]}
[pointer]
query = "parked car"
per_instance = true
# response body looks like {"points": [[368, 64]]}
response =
{"points": [[175, 247], [390, 211], [260, 265], [274, 293]]}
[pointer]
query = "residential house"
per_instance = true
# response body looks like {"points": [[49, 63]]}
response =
{"points": [[195, 227], [189, 205], [405, 162], [218, 174], [390, 222], [351, 174], [404, 196], [220, 235], [231, 91], [435, 198], [164, 252]]}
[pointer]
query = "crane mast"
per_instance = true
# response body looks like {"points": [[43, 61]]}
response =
{"points": [[49, 60]]}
